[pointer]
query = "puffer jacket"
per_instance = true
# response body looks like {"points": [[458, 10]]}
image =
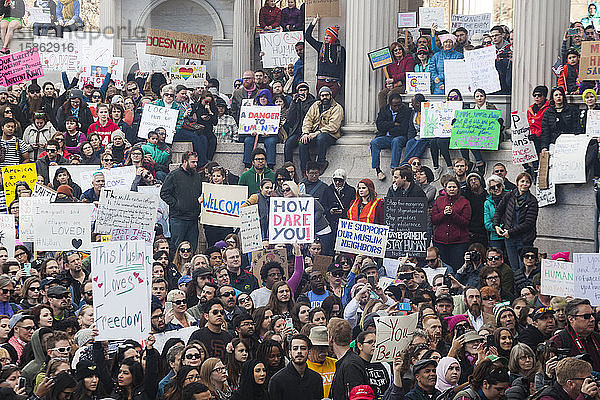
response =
{"points": [[453, 228], [556, 123], [328, 121], [521, 224], [436, 67]]}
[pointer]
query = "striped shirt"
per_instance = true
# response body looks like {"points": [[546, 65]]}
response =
{"points": [[15, 149]]}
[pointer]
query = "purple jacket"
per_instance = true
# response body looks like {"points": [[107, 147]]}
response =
{"points": [[293, 18]]}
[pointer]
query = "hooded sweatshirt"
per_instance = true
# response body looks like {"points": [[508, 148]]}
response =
{"points": [[34, 366]]}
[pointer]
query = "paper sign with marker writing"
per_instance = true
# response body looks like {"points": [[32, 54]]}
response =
{"points": [[17, 173], [476, 129], [20, 67], [393, 336], [95, 74], [221, 204], [150, 62], [418, 82], [479, 23], [292, 220], [437, 116], [380, 58], [63, 226], [481, 66], [250, 233], [181, 334], [190, 76], [43, 191], [7, 233], [523, 149], [162, 213], [28, 209], [158, 117], [557, 278], [431, 15], [361, 238], [264, 120], [586, 277], [119, 178], [120, 288], [279, 48], [545, 197], [568, 159], [592, 125], [407, 20]]}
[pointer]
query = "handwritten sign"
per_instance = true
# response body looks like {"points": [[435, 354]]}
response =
{"points": [[557, 278], [119, 285], [431, 15], [407, 220], [43, 191], [39, 15], [437, 118], [380, 58], [479, 23], [95, 74], [568, 159], [165, 43], [17, 173], [323, 8], [250, 233], [545, 197], [75, 50], [190, 76], [221, 204], [63, 226], [481, 67], [523, 149], [261, 119], [182, 334], [119, 178], [407, 20], [361, 238], [28, 209], [279, 48], [7, 233], [592, 125], [261, 257], [162, 213], [393, 336], [418, 82], [20, 67], [292, 220], [586, 277], [149, 62], [456, 76], [589, 64], [476, 129], [158, 117]]}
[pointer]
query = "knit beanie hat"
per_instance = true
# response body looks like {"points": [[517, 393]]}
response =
{"points": [[66, 190], [333, 31], [500, 310]]}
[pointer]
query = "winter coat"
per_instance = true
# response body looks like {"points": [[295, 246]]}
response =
{"points": [[453, 228], [331, 60], [387, 123], [521, 223], [489, 209], [269, 16], [295, 115], [436, 67], [85, 117], [181, 191], [556, 123], [292, 17], [397, 70], [328, 121]]}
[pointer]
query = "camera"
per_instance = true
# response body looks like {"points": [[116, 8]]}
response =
{"points": [[475, 257], [562, 353], [405, 276]]}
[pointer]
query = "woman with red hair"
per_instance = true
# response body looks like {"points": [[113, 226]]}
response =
{"points": [[367, 207]]}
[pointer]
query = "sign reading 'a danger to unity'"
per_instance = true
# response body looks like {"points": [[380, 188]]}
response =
{"points": [[178, 44]]}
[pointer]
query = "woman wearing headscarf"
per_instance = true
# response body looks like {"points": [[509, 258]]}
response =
{"points": [[448, 374], [331, 60], [592, 18], [252, 382], [396, 73], [436, 65], [366, 207]]}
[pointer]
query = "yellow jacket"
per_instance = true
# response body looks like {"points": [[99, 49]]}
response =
{"points": [[330, 121]]}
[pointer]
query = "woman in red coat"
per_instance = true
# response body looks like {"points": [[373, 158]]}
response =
{"points": [[395, 73], [367, 207], [269, 16], [450, 216]]}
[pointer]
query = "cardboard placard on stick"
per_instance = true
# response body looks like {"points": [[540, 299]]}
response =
{"points": [[323, 8], [259, 258], [543, 171], [178, 44], [589, 65], [322, 262]]}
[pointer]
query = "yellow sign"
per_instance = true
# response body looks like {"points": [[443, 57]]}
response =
{"points": [[105, 238], [13, 174]]}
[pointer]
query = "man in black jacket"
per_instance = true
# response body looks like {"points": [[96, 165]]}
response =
{"points": [[404, 185], [294, 118], [393, 131], [542, 328], [181, 191], [350, 368]]}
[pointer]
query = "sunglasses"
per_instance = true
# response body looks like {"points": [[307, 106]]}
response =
{"points": [[178, 302], [60, 296], [584, 316], [538, 95], [337, 274], [32, 328], [489, 298], [431, 261], [530, 256], [88, 293], [495, 187], [107, 159], [7, 291], [415, 163], [217, 312], [194, 356], [493, 258], [285, 190], [227, 294], [62, 349], [186, 250], [49, 151], [169, 94], [455, 97]]}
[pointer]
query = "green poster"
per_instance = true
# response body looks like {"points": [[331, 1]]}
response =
{"points": [[476, 129]]}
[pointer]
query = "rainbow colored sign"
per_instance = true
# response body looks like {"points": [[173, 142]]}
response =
{"points": [[191, 76]]}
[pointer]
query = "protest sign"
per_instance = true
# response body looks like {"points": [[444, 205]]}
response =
{"points": [[523, 149], [179, 334], [190, 76], [393, 336], [27, 212], [74, 50], [557, 278], [429, 16], [162, 213], [63, 226], [154, 116], [568, 159], [407, 20], [17, 173], [592, 125], [292, 220], [380, 58], [476, 129], [43, 191], [481, 67], [323, 8], [589, 64], [407, 219], [545, 197], [250, 233], [261, 119], [261, 257], [457, 77], [120, 289], [96, 48], [586, 277], [221, 204], [95, 74], [38, 15], [127, 234], [119, 178], [178, 44], [7, 233], [279, 48], [479, 23], [149, 62], [119, 209], [437, 116], [361, 238], [391, 266], [418, 82], [20, 67], [321, 262]]}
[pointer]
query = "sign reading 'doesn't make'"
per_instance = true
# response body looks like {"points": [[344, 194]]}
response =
{"points": [[178, 44]]}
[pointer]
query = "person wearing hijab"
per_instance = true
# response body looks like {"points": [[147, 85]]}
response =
{"points": [[504, 340], [252, 382], [448, 374], [436, 65], [592, 18]]}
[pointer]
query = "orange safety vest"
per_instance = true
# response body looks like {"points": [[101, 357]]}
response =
{"points": [[367, 214]]}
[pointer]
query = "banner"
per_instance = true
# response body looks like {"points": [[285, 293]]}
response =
{"points": [[118, 209], [74, 50], [28, 209], [407, 20], [568, 159], [149, 62], [62, 227], [17, 173], [589, 64], [250, 233], [394, 334], [292, 220], [557, 278], [407, 219], [95, 74], [158, 117], [280, 48], [592, 125], [479, 23], [190, 76], [431, 15], [261, 119], [178, 44], [43, 191], [120, 288], [380, 58], [221, 204], [39, 15], [361, 238], [323, 8], [476, 129], [7, 233], [20, 67], [436, 118], [418, 82], [523, 149], [119, 178], [586, 277]]}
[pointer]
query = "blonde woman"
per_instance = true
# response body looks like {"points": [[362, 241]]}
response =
{"points": [[214, 375]]}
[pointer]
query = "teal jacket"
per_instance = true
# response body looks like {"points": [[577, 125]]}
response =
{"points": [[489, 208], [159, 156]]}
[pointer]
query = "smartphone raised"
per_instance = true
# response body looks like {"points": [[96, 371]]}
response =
{"points": [[168, 306], [371, 280]]}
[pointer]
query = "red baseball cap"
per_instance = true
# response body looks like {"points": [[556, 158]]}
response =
{"points": [[362, 392]]}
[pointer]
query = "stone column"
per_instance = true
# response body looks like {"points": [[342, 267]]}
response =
{"points": [[243, 36], [539, 27], [108, 21], [367, 28]]}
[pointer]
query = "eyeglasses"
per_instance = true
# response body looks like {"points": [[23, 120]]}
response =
{"points": [[489, 298], [494, 258], [27, 328], [49, 151], [88, 293], [585, 316], [220, 369], [530, 256], [259, 159], [228, 294], [107, 159], [274, 275], [431, 261], [581, 379], [178, 302], [217, 312], [62, 349], [525, 357], [493, 278], [194, 356], [495, 187], [96, 96]]}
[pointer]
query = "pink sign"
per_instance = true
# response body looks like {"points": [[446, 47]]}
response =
{"points": [[22, 66]]}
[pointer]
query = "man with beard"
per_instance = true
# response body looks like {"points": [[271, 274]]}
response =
{"points": [[542, 328], [426, 378], [33, 104], [227, 295], [50, 101], [477, 317], [208, 291], [86, 294], [212, 335], [244, 328], [157, 318], [58, 297], [296, 381], [318, 360]]}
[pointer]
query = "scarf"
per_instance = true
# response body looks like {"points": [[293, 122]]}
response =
{"points": [[330, 53], [445, 363], [497, 198], [521, 199], [68, 9], [18, 345]]}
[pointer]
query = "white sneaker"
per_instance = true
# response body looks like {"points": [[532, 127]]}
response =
{"points": [[437, 172]]}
